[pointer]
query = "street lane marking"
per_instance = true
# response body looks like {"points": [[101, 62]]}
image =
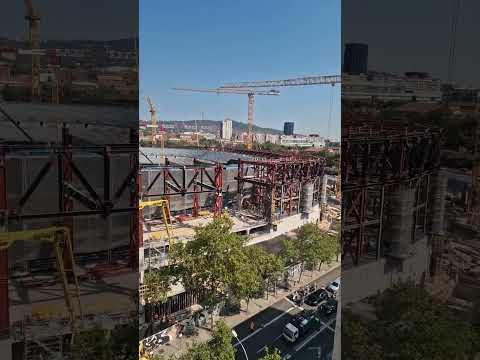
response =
{"points": [[264, 326], [266, 346], [292, 303], [311, 337], [328, 325]]}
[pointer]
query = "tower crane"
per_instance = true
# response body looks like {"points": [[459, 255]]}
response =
{"points": [[251, 100], [33, 19], [300, 81], [154, 121]]}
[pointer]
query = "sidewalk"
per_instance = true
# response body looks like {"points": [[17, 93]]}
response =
{"points": [[176, 345]]}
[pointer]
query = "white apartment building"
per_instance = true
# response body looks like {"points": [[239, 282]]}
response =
{"points": [[301, 141], [272, 138], [227, 129], [391, 87]]}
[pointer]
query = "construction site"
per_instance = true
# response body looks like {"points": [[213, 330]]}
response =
{"points": [[393, 200], [69, 203], [266, 196]]}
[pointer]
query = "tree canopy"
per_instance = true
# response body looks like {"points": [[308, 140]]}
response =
{"points": [[311, 248], [220, 347], [411, 324]]}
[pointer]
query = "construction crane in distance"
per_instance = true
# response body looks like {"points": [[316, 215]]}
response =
{"points": [[301, 81], [251, 101], [154, 125], [33, 19]]}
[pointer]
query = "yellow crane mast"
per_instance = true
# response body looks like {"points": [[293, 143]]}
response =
{"points": [[58, 236], [33, 19], [153, 120], [166, 217]]}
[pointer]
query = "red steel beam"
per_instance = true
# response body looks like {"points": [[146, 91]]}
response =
{"points": [[218, 205]]}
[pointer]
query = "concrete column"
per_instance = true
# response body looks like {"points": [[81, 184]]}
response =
{"points": [[323, 197], [400, 216]]}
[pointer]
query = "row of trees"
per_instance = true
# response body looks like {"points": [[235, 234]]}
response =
{"points": [[311, 248], [219, 266], [410, 324], [220, 347]]}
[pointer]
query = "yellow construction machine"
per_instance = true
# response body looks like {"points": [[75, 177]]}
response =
{"points": [[142, 354], [166, 217], [59, 237]]}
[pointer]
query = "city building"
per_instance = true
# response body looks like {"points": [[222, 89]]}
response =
{"points": [[227, 129], [259, 138], [272, 138], [288, 128], [410, 86], [302, 141], [355, 59]]}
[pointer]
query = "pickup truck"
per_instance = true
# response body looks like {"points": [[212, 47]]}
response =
{"points": [[298, 327]]}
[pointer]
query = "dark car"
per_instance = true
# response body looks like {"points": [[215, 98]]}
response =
{"points": [[316, 297], [328, 308]]}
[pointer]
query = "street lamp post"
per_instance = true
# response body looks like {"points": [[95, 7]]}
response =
{"points": [[234, 333]]}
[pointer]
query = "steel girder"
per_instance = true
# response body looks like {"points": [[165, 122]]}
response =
{"points": [[207, 178], [61, 158]]}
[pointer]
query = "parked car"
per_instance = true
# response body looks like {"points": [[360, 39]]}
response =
{"points": [[329, 307], [334, 286], [315, 298]]}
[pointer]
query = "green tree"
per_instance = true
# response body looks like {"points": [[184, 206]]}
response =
{"points": [[410, 324], [247, 279], [272, 355], [214, 264], [290, 253], [158, 284], [267, 268], [123, 341], [91, 344], [220, 347], [311, 248], [357, 342]]}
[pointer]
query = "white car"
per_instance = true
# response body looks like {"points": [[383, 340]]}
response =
{"points": [[334, 286]]}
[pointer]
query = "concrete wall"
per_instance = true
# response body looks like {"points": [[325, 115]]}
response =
{"points": [[286, 225], [367, 279]]}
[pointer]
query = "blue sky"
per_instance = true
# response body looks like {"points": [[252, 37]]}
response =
{"points": [[204, 44]]}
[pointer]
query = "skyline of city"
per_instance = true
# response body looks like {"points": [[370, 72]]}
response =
{"points": [[228, 55]]}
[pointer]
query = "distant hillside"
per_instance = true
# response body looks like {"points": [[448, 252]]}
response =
{"points": [[214, 126]]}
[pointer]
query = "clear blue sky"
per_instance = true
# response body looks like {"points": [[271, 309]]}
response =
{"points": [[193, 43]]}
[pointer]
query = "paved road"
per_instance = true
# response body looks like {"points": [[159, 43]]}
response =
{"points": [[270, 323]]}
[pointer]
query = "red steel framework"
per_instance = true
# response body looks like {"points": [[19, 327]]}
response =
{"points": [[61, 157], [174, 180], [271, 189], [379, 158]]}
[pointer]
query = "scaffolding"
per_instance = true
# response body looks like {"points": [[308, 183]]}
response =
{"points": [[276, 185], [173, 179], [381, 163]]}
